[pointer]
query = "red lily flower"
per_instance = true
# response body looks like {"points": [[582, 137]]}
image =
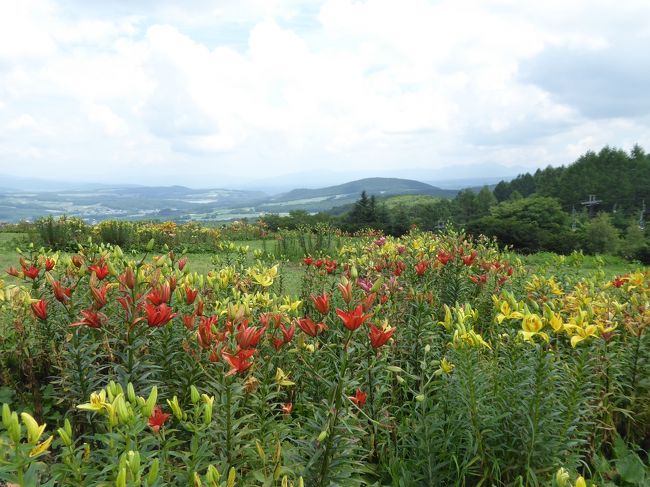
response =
{"points": [[287, 407], [214, 356], [190, 295], [353, 319], [288, 332], [239, 362], [469, 259], [379, 337], [31, 272], [49, 264], [181, 263], [310, 328], [205, 336], [444, 257], [359, 398], [188, 321], [127, 278], [126, 302], [421, 267], [62, 294], [158, 418], [158, 315], [91, 318], [100, 269], [308, 261], [346, 291], [618, 282], [322, 303], [12, 271], [330, 266], [160, 295], [368, 301], [482, 279], [99, 296], [39, 308], [172, 283], [277, 343], [248, 336], [199, 308]]}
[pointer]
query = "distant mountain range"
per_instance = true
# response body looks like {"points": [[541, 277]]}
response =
{"points": [[101, 202]]}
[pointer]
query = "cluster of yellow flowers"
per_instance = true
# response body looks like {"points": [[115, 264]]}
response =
{"points": [[585, 311]]}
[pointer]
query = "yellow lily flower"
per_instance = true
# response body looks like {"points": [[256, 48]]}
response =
{"points": [[582, 333], [447, 321], [446, 367], [556, 322], [470, 338], [507, 313], [531, 325], [282, 379], [41, 448], [288, 305], [97, 402]]}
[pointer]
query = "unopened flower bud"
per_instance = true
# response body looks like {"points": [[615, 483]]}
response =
{"points": [[130, 392], [15, 431], [152, 476], [150, 403], [6, 415], [213, 476], [133, 461], [322, 436], [34, 431], [194, 394], [209, 403], [562, 477], [121, 478], [176, 408]]}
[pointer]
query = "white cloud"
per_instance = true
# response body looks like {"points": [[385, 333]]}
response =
{"points": [[106, 118], [338, 84], [24, 121]]}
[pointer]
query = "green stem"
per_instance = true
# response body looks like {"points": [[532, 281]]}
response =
{"points": [[338, 394], [371, 406], [228, 425]]}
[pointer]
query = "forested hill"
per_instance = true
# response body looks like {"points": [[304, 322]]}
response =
{"points": [[612, 175]]}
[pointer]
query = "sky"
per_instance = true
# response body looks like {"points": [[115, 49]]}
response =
{"points": [[220, 93]]}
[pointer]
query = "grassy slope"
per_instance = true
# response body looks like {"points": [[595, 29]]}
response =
{"points": [[408, 200]]}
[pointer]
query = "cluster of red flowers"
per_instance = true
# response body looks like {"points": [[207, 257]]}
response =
{"points": [[30, 270], [329, 265]]}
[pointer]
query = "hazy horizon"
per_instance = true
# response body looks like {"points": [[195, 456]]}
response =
{"points": [[274, 93]]}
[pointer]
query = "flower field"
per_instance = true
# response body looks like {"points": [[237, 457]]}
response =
{"points": [[420, 361]]}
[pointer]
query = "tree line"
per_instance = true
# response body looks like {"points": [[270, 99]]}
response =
{"points": [[542, 211]]}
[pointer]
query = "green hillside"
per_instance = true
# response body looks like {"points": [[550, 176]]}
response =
{"points": [[341, 195]]}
